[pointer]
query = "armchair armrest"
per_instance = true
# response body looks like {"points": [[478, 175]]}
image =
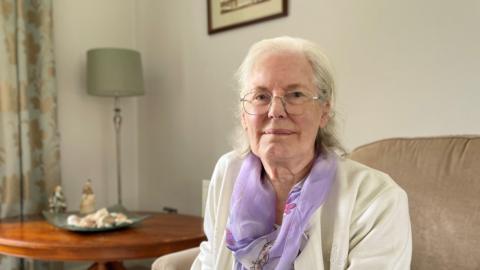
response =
{"points": [[181, 260]]}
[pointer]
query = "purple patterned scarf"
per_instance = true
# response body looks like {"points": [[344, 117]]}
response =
{"points": [[251, 234]]}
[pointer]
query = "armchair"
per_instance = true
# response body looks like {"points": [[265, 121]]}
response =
{"points": [[441, 176]]}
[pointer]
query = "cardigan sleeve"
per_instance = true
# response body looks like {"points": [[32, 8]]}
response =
{"points": [[380, 234]]}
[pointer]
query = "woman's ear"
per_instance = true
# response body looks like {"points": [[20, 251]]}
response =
{"points": [[326, 113], [244, 121]]}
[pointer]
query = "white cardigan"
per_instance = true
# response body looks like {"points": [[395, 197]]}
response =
{"points": [[363, 224]]}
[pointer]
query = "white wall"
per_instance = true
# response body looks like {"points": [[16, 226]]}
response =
{"points": [[404, 68], [85, 122]]}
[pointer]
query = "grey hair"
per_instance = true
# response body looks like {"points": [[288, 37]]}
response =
{"points": [[326, 139]]}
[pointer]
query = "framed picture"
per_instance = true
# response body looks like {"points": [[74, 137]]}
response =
{"points": [[227, 14]]}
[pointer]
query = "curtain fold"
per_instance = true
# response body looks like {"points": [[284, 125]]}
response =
{"points": [[29, 143]]}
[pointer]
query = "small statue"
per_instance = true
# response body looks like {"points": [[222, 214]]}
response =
{"points": [[87, 204], [57, 202]]}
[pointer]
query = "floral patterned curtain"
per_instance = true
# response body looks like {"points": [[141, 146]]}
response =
{"points": [[29, 143]]}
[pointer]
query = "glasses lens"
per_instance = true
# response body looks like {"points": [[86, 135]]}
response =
{"points": [[296, 102], [256, 102]]}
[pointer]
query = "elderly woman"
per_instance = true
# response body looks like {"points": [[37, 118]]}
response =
{"points": [[284, 199]]}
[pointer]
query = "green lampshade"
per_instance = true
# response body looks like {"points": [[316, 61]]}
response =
{"points": [[114, 72]]}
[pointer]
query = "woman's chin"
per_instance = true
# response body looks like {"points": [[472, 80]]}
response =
{"points": [[275, 152]]}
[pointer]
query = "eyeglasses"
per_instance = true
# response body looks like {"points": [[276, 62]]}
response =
{"points": [[258, 102]]}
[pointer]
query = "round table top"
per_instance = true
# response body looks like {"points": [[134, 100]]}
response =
{"points": [[157, 235]]}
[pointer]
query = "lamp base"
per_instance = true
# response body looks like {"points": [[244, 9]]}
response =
{"points": [[117, 122]]}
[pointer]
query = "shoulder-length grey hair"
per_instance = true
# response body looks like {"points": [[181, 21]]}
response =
{"points": [[322, 79]]}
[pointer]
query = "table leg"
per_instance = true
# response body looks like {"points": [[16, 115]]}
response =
{"points": [[98, 266], [107, 266]]}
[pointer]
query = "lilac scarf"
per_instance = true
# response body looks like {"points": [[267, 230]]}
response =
{"points": [[251, 234]]}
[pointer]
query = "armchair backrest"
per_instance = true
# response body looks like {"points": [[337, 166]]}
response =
{"points": [[441, 176]]}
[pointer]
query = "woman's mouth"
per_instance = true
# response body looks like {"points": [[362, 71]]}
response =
{"points": [[278, 132]]}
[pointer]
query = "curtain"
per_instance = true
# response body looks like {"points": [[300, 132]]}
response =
{"points": [[29, 143]]}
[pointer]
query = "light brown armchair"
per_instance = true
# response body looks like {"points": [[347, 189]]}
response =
{"points": [[441, 176]]}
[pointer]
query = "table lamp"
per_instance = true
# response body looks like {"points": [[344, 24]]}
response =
{"points": [[113, 72]]}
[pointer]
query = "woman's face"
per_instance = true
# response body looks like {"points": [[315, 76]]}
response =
{"points": [[276, 135]]}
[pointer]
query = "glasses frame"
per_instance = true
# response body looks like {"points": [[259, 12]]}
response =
{"points": [[282, 98]]}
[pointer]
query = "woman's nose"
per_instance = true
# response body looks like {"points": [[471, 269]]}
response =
{"points": [[277, 108]]}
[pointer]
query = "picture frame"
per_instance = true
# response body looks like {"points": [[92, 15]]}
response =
{"points": [[229, 14]]}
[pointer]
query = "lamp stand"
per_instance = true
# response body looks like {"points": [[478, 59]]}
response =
{"points": [[117, 122]]}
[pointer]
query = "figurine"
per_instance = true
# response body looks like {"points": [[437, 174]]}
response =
{"points": [[87, 205], [57, 202]]}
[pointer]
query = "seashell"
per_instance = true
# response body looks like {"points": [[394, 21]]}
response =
{"points": [[99, 219], [105, 221], [73, 220], [87, 222], [122, 218]]}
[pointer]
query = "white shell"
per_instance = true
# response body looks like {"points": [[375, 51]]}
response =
{"points": [[73, 220], [100, 219]]}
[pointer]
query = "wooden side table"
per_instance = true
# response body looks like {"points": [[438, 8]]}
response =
{"points": [[157, 235]]}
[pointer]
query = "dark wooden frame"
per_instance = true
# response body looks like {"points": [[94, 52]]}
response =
{"points": [[211, 30]]}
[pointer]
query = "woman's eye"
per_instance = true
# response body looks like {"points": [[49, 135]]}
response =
{"points": [[296, 94], [261, 97]]}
